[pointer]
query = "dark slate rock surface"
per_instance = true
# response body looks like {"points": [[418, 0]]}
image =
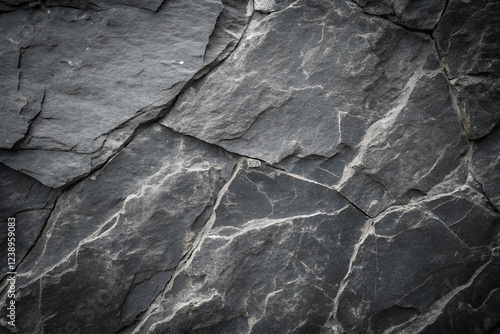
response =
{"points": [[30, 203], [467, 40], [251, 166], [139, 203], [486, 166], [413, 14], [270, 250], [78, 84]]}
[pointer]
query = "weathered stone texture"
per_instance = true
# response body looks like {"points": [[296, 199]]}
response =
{"points": [[251, 167]]}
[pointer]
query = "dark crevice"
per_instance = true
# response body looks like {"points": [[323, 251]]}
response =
{"points": [[133, 284], [387, 18], [442, 14], [39, 236], [27, 136], [207, 69], [272, 166], [139, 128], [481, 75], [217, 22], [144, 125], [480, 188], [161, 6], [164, 110], [355, 206], [90, 6], [453, 94], [433, 38], [21, 51], [442, 59], [222, 148]]}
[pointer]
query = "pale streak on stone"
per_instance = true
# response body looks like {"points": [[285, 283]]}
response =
{"points": [[260, 224], [486, 299], [99, 233], [368, 229], [433, 216], [372, 135], [192, 303], [416, 325], [264, 307], [196, 247], [213, 216]]}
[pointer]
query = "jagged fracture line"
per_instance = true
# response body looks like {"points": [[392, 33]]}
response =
{"points": [[378, 127], [322, 185], [254, 321], [432, 215], [196, 247], [39, 236], [276, 168], [416, 325], [193, 303], [260, 224], [251, 225], [368, 229], [99, 232], [213, 216]]}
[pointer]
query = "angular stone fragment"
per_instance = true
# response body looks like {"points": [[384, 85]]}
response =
{"points": [[116, 72], [52, 168], [473, 308], [404, 266], [113, 239], [306, 94], [414, 14], [409, 151], [468, 215], [467, 38], [108, 72], [270, 263], [229, 28], [478, 99]]}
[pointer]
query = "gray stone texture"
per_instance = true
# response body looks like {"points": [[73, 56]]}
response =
{"points": [[120, 234], [412, 14], [30, 203], [467, 39], [251, 166], [85, 91]]}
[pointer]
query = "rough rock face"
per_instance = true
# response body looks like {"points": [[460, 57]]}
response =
{"points": [[251, 166]]}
